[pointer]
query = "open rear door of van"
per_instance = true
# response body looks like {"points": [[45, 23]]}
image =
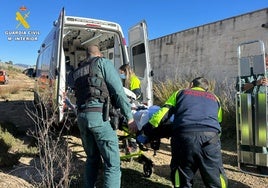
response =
{"points": [[61, 70], [140, 59]]}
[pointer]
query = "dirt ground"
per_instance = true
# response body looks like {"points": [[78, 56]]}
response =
{"points": [[13, 110]]}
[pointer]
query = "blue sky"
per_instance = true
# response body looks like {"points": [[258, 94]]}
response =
{"points": [[163, 17]]}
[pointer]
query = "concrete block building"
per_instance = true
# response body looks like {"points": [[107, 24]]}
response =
{"points": [[208, 50]]}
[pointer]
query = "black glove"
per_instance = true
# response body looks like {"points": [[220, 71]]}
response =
{"points": [[155, 144], [164, 131], [146, 134], [154, 133], [148, 129]]}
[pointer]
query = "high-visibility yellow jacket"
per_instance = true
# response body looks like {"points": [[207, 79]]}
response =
{"points": [[194, 110]]}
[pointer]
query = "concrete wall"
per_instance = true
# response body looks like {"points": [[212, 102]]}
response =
{"points": [[209, 50]]}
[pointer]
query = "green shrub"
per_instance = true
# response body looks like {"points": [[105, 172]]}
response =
{"points": [[6, 142], [12, 148], [8, 138]]}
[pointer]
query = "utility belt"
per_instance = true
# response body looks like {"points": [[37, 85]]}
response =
{"points": [[108, 113], [90, 109]]}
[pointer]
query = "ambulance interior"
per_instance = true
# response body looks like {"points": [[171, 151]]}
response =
{"points": [[76, 40], [113, 47]]}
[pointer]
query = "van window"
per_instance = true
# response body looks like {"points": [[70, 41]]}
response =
{"points": [[43, 62], [139, 60]]}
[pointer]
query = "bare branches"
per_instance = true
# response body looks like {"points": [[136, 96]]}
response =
{"points": [[55, 156]]}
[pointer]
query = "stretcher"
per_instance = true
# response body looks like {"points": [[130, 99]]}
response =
{"points": [[141, 115], [138, 154], [251, 111]]}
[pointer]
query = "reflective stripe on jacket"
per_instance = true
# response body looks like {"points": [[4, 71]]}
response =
{"points": [[194, 110]]}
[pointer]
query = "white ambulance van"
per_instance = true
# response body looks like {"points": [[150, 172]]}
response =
{"points": [[65, 47]]}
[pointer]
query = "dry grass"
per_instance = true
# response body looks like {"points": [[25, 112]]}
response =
{"points": [[9, 90], [18, 87], [13, 181], [13, 91], [163, 90]]}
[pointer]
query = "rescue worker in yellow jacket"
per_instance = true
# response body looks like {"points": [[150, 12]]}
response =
{"points": [[130, 80], [195, 141]]}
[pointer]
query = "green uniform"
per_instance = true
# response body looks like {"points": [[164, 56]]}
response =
{"points": [[99, 139]]}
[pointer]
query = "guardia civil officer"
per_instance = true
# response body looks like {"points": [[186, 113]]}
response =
{"points": [[97, 83], [195, 142]]}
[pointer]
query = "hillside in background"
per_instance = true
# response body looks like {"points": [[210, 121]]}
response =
{"points": [[15, 66]]}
